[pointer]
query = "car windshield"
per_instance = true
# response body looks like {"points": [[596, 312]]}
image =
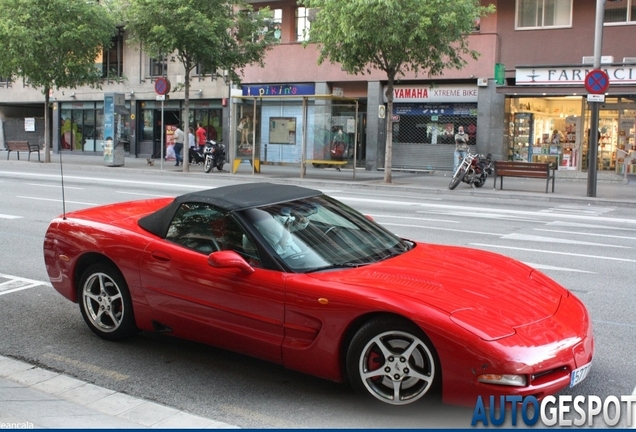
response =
{"points": [[321, 233]]}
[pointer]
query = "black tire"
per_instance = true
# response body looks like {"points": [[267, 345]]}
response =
{"points": [[376, 351], [482, 181], [105, 303], [457, 179], [207, 165], [220, 167]]}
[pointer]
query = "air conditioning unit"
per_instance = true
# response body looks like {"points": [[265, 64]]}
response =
{"points": [[482, 82], [629, 60], [589, 60]]}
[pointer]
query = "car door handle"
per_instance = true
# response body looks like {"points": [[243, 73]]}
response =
{"points": [[160, 256]]}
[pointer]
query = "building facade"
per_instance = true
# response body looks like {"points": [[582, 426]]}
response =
{"points": [[535, 111]]}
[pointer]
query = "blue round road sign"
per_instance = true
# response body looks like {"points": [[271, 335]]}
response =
{"points": [[162, 86], [596, 81]]}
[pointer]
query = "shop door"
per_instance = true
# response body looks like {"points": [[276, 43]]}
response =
{"points": [[171, 117]]}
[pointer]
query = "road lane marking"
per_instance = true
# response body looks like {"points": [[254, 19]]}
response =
{"points": [[549, 267], [582, 225], [586, 234], [442, 229], [142, 194], [533, 238], [57, 200], [16, 283], [543, 251], [476, 210], [54, 186], [414, 218], [3, 216]]}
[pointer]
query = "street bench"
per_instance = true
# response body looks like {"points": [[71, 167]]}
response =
{"points": [[524, 169], [18, 146], [317, 163]]}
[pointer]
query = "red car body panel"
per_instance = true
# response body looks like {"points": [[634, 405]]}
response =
{"points": [[483, 312]]}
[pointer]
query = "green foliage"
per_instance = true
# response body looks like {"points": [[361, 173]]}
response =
{"points": [[395, 36], [215, 34], [53, 43]]}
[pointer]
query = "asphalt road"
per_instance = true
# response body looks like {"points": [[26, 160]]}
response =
{"points": [[587, 248]]}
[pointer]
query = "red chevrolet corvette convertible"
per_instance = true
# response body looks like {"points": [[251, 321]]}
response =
{"points": [[293, 276]]}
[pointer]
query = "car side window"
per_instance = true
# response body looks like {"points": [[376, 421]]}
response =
{"points": [[206, 229]]}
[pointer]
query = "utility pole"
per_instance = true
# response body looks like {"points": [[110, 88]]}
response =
{"points": [[592, 160]]}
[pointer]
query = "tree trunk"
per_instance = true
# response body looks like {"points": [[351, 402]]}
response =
{"points": [[47, 131], [388, 156], [186, 123]]}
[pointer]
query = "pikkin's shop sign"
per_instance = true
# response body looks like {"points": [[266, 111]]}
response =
{"points": [[572, 75], [434, 93]]}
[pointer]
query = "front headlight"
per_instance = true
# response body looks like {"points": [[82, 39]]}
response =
{"points": [[509, 380]]}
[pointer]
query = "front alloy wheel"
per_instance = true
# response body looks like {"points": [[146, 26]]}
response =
{"points": [[207, 165], [392, 361], [105, 302]]}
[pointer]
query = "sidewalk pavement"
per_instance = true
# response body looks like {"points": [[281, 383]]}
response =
{"points": [[31, 397], [570, 186], [34, 397]]}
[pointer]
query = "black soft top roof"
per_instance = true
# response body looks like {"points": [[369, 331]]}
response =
{"points": [[230, 198]]}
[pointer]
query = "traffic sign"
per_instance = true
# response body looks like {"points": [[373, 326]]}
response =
{"points": [[596, 81], [162, 86], [596, 97]]}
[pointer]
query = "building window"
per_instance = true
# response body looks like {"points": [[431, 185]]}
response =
{"points": [[302, 24], [113, 59], [620, 12], [159, 66], [534, 14]]}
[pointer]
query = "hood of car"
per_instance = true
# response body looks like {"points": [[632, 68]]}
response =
{"points": [[486, 293]]}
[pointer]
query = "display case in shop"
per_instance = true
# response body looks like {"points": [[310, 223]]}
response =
{"points": [[626, 151], [520, 148]]}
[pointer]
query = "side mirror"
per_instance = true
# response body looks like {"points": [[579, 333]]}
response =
{"points": [[229, 259]]}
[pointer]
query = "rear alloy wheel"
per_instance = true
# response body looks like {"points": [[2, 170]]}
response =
{"points": [[392, 361], [105, 302]]}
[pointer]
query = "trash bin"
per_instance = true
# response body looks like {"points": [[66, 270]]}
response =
{"points": [[113, 155]]}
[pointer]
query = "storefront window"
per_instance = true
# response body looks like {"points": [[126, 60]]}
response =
{"points": [[147, 119], [532, 14], [82, 126], [433, 124], [545, 130], [211, 121]]}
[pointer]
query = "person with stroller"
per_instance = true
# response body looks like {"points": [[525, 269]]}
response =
{"points": [[196, 157]]}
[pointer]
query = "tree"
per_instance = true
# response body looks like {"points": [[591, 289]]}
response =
{"points": [[53, 44], [215, 35], [394, 36]]}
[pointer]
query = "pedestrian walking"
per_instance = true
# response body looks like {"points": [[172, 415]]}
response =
{"points": [[179, 138]]}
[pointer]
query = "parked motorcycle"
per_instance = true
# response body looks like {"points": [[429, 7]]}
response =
{"points": [[196, 156], [473, 170], [214, 154]]}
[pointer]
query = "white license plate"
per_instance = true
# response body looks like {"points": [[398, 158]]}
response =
{"points": [[579, 374]]}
